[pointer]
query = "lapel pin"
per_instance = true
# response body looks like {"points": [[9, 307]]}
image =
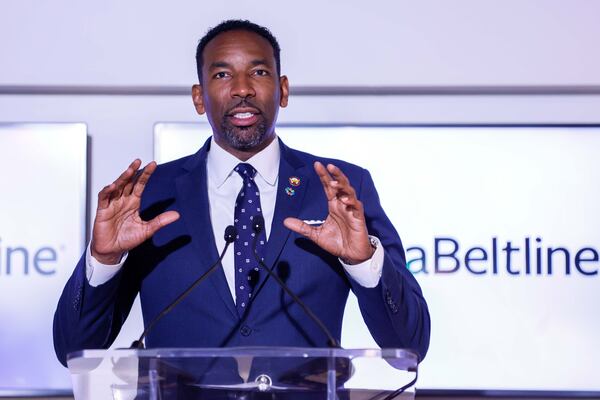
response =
{"points": [[294, 181], [289, 191]]}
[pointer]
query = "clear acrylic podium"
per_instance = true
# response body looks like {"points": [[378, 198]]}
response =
{"points": [[244, 373]]}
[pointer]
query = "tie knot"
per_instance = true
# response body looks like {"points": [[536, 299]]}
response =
{"points": [[245, 170]]}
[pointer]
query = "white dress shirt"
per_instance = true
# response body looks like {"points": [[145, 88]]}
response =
{"points": [[224, 184]]}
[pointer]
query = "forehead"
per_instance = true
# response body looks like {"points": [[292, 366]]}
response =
{"points": [[237, 46]]}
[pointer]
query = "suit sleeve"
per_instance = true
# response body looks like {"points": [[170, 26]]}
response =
{"points": [[90, 317], [395, 310]]}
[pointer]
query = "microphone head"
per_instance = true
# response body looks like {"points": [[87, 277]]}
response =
{"points": [[258, 223], [230, 234]]}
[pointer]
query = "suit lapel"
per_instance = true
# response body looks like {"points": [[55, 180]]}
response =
{"points": [[288, 203], [192, 194]]}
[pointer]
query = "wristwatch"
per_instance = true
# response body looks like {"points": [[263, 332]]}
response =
{"points": [[374, 242]]}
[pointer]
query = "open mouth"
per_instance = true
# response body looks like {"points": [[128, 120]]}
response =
{"points": [[243, 117]]}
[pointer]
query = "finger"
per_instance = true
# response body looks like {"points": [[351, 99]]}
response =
{"points": [[126, 175], [104, 195], [340, 182], [128, 187], [160, 221], [301, 227], [351, 201], [342, 190], [346, 213], [125, 178], [338, 175], [143, 178], [326, 180], [114, 189], [354, 207]]}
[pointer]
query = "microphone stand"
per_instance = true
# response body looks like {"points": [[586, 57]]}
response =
{"points": [[230, 233], [258, 224]]}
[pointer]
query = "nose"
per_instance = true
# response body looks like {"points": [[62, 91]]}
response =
{"points": [[242, 87]]}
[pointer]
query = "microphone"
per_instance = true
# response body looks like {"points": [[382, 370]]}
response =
{"points": [[258, 225], [230, 234]]}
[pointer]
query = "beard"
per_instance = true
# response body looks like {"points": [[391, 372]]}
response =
{"points": [[244, 138]]}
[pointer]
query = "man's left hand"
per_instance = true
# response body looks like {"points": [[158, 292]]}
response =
{"points": [[344, 232]]}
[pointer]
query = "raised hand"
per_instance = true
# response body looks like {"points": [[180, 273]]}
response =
{"points": [[118, 226], [344, 232]]}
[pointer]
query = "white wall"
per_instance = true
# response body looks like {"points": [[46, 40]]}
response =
{"points": [[337, 42]]}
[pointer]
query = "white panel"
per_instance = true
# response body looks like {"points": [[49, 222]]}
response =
{"points": [[338, 42], [42, 233], [477, 186]]}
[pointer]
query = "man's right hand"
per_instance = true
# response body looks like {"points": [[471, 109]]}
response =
{"points": [[118, 226]]}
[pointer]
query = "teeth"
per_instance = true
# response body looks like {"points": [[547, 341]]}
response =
{"points": [[243, 115]]}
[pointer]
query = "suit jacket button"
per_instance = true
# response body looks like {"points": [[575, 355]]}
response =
{"points": [[245, 330]]}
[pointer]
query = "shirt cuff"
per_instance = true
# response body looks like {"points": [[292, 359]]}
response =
{"points": [[98, 273], [367, 273]]}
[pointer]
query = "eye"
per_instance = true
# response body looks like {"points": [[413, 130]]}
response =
{"points": [[220, 75], [261, 72]]}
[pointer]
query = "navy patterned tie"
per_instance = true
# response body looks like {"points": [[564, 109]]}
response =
{"points": [[247, 206]]}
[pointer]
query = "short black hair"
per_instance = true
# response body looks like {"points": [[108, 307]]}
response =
{"points": [[236, 25]]}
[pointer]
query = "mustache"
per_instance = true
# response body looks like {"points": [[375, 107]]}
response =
{"points": [[244, 103]]}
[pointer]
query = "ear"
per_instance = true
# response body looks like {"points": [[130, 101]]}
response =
{"points": [[284, 91], [197, 99]]}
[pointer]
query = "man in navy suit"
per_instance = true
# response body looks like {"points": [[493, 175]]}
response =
{"points": [[158, 229]]}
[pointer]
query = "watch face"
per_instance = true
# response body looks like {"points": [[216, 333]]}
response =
{"points": [[374, 242]]}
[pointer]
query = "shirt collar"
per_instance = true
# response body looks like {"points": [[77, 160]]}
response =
{"points": [[220, 163]]}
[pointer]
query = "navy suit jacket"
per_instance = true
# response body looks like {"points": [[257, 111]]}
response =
{"points": [[164, 266]]}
